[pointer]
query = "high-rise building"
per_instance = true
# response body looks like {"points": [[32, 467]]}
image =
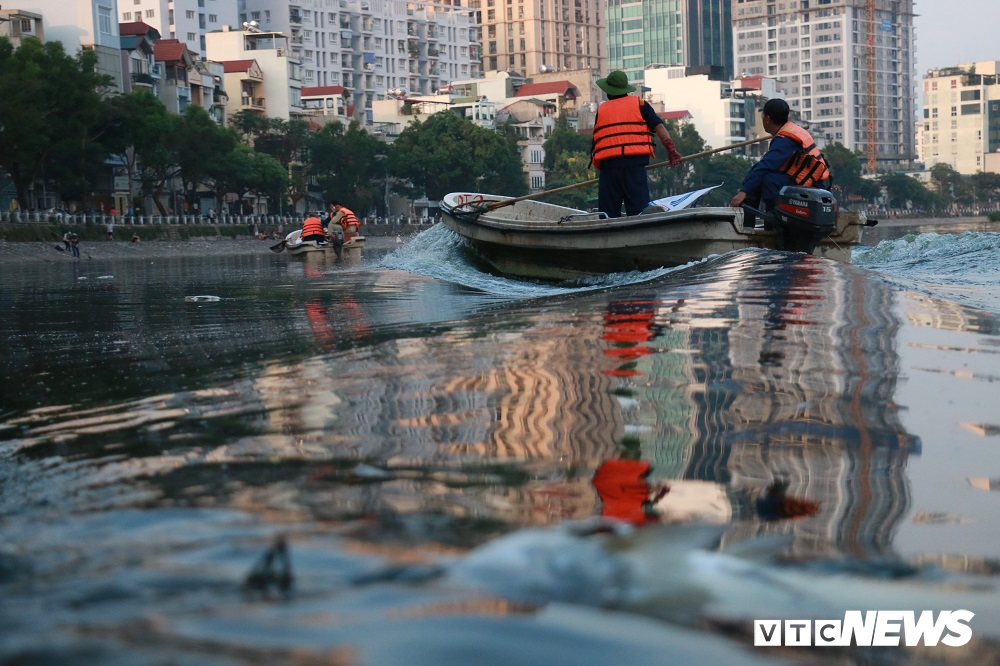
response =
{"points": [[690, 33], [847, 67], [187, 21], [531, 36], [961, 118], [374, 48]]}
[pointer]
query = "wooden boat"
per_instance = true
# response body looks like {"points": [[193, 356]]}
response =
{"points": [[296, 246], [533, 239]]}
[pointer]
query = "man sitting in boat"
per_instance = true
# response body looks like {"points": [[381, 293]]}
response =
{"points": [[791, 159], [622, 146], [312, 229], [346, 218]]}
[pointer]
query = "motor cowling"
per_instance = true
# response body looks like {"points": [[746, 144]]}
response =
{"points": [[804, 216]]}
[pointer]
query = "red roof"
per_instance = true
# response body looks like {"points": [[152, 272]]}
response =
{"points": [[169, 50], [320, 91], [674, 115], [136, 28], [549, 88], [232, 66]]}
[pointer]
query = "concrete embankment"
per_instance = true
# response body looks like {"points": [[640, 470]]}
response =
{"points": [[42, 242]]}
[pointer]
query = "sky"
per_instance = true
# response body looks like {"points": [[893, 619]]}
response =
{"points": [[950, 32]]}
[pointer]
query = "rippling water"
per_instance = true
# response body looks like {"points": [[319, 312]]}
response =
{"points": [[402, 448]]}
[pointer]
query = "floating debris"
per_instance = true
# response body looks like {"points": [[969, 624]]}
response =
{"points": [[274, 569], [202, 299]]}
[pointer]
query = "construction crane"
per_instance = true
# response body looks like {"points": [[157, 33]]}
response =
{"points": [[872, 105]]}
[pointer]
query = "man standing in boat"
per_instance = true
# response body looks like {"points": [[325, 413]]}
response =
{"points": [[623, 144], [791, 159]]}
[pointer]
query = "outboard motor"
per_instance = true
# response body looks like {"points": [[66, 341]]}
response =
{"points": [[804, 216]]}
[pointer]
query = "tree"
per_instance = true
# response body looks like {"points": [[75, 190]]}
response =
{"points": [[288, 141], [446, 153], [345, 162], [563, 140], [49, 104], [569, 169], [200, 147], [672, 180], [136, 126], [722, 169]]}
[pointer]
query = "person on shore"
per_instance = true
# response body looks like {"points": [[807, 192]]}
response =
{"points": [[312, 229], [622, 147], [74, 243], [110, 228], [791, 159], [135, 237], [66, 244]]}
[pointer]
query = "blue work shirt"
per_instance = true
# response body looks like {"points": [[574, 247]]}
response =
{"points": [[765, 178]]}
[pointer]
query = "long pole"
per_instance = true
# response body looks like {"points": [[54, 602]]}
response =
{"points": [[593, 181]]}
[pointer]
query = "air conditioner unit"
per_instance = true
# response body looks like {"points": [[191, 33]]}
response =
{"points": [[369, 67]]}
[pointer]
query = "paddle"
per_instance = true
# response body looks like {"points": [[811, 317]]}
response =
{"points": [[478, 208], [280, 247]]}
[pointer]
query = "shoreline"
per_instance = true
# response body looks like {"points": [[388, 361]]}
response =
{"points": [[12, 252]]}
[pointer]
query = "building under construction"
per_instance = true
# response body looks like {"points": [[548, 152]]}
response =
{"points": [[846, 66]]}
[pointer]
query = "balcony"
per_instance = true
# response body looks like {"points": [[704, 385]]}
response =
{"points": [[143, 79]]}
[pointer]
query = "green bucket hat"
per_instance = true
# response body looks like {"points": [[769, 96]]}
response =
{"points": [[616, 83]]}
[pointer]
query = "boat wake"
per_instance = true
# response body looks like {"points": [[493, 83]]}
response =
{"points": [[442, 254], [963, 268]]}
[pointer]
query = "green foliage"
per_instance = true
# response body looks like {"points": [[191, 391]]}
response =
{"points": [[993, 216], [570, 168], [667, 180], [563, 140], [723, 169], [49, 108], [199, 146], [445, 153], [344, 162]]}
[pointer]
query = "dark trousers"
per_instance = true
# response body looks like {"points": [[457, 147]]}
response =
{"points": [[623, 180]]}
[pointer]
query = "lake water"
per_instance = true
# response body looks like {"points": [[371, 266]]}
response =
{"points": [[391, 459]]}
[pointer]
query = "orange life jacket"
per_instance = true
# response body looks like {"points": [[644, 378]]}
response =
{"points": [[623, 489], [348, 219], [807, 166], [620, 130], [312, 227]]}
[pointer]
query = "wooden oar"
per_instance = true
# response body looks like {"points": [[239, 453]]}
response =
{"points": [[280, 247], [594, 181]]}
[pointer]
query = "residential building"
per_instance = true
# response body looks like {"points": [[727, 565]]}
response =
{"points": [[846, 65], [692, 33], [278, 94], [721, 111], [17, 24], [373, 48], [535, 36], [174, 89], [90, 24], [961, 117], [187, 21], [323, 104], [139, 69]]}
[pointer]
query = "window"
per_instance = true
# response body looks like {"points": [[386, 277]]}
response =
{"points": [[150, 13], [189, 14], [192, 36], [213, 18], [537, 182], [104, 20], [126, 17]]}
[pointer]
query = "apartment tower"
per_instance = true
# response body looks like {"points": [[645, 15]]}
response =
{"points": [[846, 66], [187, 21], [690, 33], [532, 36]]}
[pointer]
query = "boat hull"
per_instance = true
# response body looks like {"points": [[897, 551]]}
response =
{"points": [[540, 240]]}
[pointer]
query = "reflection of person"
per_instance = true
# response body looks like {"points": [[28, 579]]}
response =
{"points": [[623, 145], [312, 229], [625, 491], [791, 159]]}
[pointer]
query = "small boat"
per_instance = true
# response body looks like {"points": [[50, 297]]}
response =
{"points": [[296, 246], [532, 239]]}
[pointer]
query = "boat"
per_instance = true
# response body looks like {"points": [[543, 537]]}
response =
{"points": [[532, 239], [296, 246]]}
